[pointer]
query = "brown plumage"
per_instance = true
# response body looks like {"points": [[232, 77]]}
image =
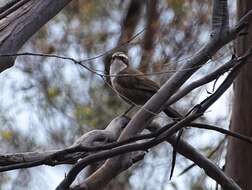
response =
{"points": [[138, 89], [135, 87]]}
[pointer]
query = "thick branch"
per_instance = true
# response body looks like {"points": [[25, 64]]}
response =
{"points": [[142, 118], [18, 26], [194, 114], [206, 164], [186, 150], [89, 142], [204, 80]]}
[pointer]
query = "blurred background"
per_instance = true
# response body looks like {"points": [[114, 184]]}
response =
{"points": [[47, 103]]}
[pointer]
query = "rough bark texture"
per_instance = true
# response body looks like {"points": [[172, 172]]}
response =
{"points": [[19, 24], [239, 162]]}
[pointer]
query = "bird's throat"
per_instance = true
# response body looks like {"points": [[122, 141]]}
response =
{"points": [[116, 67]]}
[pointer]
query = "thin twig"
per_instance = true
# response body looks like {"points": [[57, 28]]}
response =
{"points": [[204, 80], [208, 156], [223, 131]]}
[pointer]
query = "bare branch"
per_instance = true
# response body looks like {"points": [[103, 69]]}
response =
{"points": [[129, 25], [200, 160], [208, 156], [227, 82], [121, 150], [144, 146], [186, 150], [206, 79], [25, 19], [89, 143], [92, 141], [112, 165], [142, 118], [11, 7], [79, 62], [223, 131]]}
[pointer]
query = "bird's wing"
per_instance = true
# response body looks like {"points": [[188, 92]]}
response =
{"points": [[139, 82]]}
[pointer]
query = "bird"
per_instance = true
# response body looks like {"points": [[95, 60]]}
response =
{"points": [[131, 84]]}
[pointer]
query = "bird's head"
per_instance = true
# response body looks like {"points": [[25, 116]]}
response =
{"points": [[121, 56]]}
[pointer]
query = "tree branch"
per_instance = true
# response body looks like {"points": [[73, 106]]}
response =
{"points": [[186, 150], [204, 80], [64, 185], [26, 18], [89, 142], [114, 168], [223, 131], [142, 118]]}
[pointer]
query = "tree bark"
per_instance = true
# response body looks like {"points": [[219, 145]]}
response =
{"points": [[239, 153], [20, 21]]}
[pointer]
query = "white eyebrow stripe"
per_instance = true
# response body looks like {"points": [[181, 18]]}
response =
{"points": [[120, 54]]}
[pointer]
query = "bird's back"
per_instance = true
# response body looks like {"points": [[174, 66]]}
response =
{"points": [[136, 87]]}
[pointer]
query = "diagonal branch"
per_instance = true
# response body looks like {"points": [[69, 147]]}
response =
{"points": [[135, 147], [226, 83], [114, 169], [142, 118], [208, 156], [84, 147], [204, 80], [211, 169], [223, 131], [26, 18], [89, 142]]}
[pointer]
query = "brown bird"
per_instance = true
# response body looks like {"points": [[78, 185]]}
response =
{"points": [[136, 88]]}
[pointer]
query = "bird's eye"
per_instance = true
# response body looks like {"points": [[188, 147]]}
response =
{"points": [[125, 60]]}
